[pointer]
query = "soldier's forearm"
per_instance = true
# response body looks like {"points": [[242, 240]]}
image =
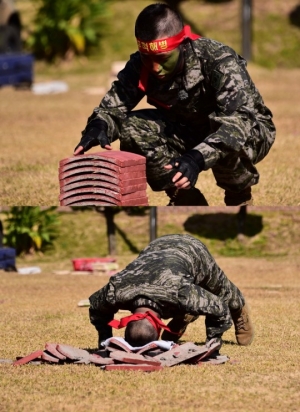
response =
{"points": [[100, 321]]}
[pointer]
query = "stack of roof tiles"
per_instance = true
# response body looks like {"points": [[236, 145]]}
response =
{"points": [[110, 178]]}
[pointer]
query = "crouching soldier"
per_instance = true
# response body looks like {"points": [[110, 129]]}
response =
{"points": [[208, 113]]}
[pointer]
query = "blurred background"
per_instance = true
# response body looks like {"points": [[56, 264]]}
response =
{"points": [[103, 30], [52, 237], [70, 53]]}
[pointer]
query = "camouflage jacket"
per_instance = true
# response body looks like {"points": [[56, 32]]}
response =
{"points": [[167, 276], [214, 92]]}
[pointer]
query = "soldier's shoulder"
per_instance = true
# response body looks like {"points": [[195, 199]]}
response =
{"points": [[212, 51], [131, 69], [135, 59]]}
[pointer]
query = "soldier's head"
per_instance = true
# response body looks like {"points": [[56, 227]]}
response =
{"points": [[163, 57], [142, 327], [140, 332], [157, 21]]}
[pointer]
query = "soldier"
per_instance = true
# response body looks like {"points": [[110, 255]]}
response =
{"points": [[175, 277], [208, 113]]}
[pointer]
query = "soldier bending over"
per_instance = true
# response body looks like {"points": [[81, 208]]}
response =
{"points": [[175, 277]]}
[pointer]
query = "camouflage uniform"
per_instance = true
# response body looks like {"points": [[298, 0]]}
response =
{"points": [[212, 106], [175, 275]]}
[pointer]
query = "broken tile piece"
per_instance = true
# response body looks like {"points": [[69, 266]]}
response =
{"points": [[99, 360], [48, 357], [51, 347], [73, 353], [126, 357], [212, 348], [28, 358], [180, 354], [146, 348], [115, 344]]}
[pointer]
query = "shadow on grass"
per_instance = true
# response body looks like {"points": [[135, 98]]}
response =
{"points": [[131, 246], [227, 342], [224, 226], [294, 16]]}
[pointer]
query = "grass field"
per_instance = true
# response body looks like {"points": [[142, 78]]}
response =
{"points": [[265, 376], [267, 232], [36, 132]]}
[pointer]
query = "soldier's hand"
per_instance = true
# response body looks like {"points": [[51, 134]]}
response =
{"points": [[94, 134], [103, 336], [188, 167]]}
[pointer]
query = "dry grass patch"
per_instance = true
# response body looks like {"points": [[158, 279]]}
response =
{"points": [[39, 131], [39, 308]]}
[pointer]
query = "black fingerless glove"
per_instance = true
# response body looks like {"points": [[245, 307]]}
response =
{"points": [[102, 337], [94, 134], [190, 165]]}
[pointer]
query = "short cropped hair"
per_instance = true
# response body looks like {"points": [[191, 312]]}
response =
{"points": [[140, 332], [157, 21]]}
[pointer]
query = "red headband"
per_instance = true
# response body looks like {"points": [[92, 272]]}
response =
{"points": [[167, 44], [154, 320]]}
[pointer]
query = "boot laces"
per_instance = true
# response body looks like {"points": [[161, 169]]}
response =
{"points": [[241, 321]]}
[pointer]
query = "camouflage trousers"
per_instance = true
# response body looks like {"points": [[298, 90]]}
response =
{"points": [[233, 301], [229, 296], [148, 133]]}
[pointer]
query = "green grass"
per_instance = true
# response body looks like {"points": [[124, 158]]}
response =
{"points": [[276, 41], [267, 233]]}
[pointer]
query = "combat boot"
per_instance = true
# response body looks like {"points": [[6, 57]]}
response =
{"points": [[244, 330], [242, 198], [179, 326], [186, 197]]}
